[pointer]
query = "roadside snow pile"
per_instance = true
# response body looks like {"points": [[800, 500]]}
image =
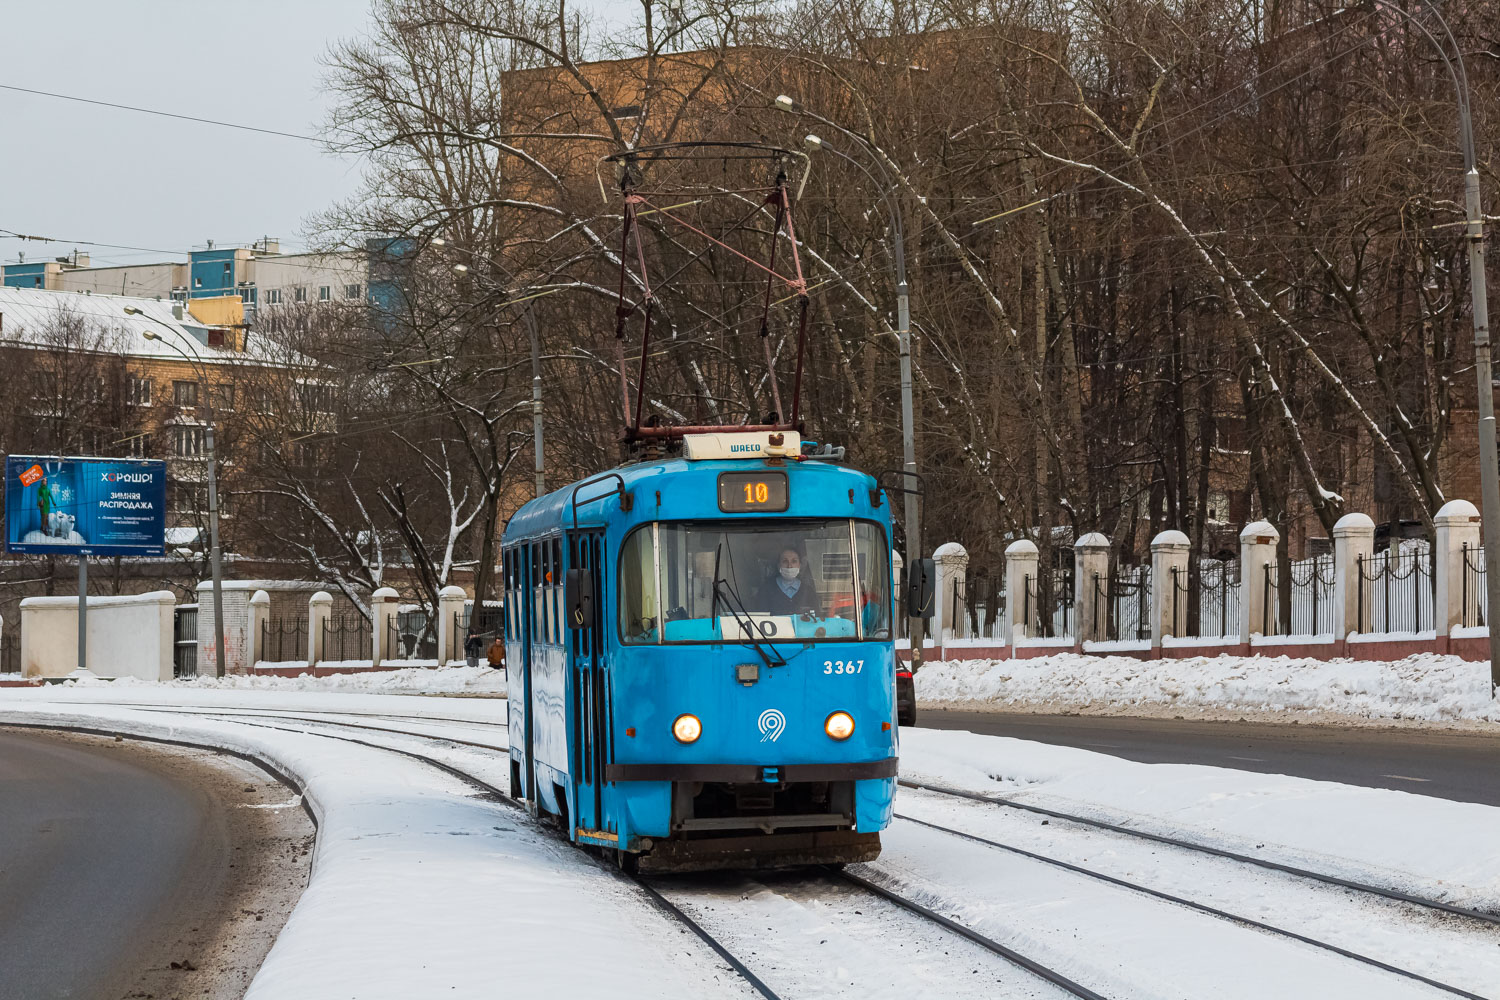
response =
{"points": [[421, 889], [1424, 687], [410, 680], [1416, 843]]}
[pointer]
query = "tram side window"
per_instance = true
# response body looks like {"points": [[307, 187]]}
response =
{"points": [[555, 590], [638, 623], [509, 563], [873, 566], [535, 551]]}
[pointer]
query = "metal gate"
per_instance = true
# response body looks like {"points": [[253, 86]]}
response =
{"points": [[10, 653], [185, 641]]}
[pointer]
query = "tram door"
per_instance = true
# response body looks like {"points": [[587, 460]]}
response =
{"points": [[589, 706]]}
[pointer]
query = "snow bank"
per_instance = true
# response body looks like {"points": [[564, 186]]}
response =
{"points": [[413, 680], [1424, 687], [421, 889], [1420, 844]]}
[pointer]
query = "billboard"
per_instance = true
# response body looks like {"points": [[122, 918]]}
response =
{"points": [[85, 506]]}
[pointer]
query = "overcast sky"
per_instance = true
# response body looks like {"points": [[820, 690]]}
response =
{"points": [[79, 172]]}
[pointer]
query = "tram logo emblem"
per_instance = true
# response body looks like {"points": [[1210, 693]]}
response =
{"points": [[772, 724]]}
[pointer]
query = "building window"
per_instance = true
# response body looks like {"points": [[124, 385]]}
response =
{"points": [[353, 291], [197, 282], [139, 446], [315, 397], [179, 294], [310, 454], [247, 294], [189, 498], [187, 441], [222, 396], [273, 296], [184, 393], [140, 391], [299, 294], [324, 293]]}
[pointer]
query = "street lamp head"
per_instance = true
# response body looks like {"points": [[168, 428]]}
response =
{"points": [[438, 241], [461, 268], [812, 143], [133, 311], [785, 103], [150, 335]]}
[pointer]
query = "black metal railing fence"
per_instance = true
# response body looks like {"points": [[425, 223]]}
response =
{"points": [[283, 640], [1395, 591], [348, 637]]}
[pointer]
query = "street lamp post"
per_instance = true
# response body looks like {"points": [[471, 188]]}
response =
{"points": [[1489, 458], [903, 339], [213, 491], [534, 331]]}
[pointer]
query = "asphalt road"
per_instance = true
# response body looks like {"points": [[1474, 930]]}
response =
{"points": [[103, 859], [1451, 765]]}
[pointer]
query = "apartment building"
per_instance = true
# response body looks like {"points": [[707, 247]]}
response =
{"points": [[125, 376], [260, 275]]}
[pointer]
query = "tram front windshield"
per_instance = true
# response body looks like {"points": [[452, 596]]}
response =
{"points": [[791, 580]]}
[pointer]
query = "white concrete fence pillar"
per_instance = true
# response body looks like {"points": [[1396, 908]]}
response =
{"points": [[1353, 540], [319, 608], [260, 616], [1257, 560], [383, 625], [450, 642], [1021, 563], [1169, 570], [1457, 525], [1090, 561], [949, 615]]}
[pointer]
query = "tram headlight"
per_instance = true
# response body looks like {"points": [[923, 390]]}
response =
{"points": [[687, 728], [839, 725]]}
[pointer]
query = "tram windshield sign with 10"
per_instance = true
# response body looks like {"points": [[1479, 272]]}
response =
{"points": [[753, 492]]}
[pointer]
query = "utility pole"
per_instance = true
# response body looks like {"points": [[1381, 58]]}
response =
{"points": [[1489, 458], [215, 560], [909, 478], [536, 401]]}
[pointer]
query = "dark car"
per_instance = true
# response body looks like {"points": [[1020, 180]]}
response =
{"points": [[906, 697]]}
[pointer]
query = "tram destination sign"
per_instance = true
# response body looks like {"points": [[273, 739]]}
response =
{"points": [[85, 506], [753, 492]]}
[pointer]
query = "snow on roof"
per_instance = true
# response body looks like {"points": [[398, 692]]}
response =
{"points": [[25, 313]]}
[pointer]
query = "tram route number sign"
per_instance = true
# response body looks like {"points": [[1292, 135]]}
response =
{"points": [[753, 492]]}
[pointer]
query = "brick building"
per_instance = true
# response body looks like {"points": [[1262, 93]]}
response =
{"points": [[119, 376]]}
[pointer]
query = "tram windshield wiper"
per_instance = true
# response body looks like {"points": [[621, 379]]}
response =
{"points": [[748, 629]]}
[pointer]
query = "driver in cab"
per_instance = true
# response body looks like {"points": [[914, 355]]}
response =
{"points": [[788, 592]]}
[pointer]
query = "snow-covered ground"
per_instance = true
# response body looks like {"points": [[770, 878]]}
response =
{"points": [[452, 680], [1426, 687], [422, 888]]}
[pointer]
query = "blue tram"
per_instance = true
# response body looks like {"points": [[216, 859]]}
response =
{"points": [[700, 659]]}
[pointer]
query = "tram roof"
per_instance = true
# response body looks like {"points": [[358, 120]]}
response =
{"points": [[544, 514]]}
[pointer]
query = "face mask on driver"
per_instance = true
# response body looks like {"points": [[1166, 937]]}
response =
{"points": [[790, 572]]}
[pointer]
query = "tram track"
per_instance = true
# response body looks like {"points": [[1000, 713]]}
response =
{"points": [[316, 725], [656, 896], [487, 789], [1037, 969], [1200, 907], [1385, 892]]}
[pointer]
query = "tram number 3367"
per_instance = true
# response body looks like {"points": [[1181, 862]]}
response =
{"points": [[843, 666]]}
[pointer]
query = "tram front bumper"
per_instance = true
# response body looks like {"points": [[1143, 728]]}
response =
{"points": [[742, 774]]}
